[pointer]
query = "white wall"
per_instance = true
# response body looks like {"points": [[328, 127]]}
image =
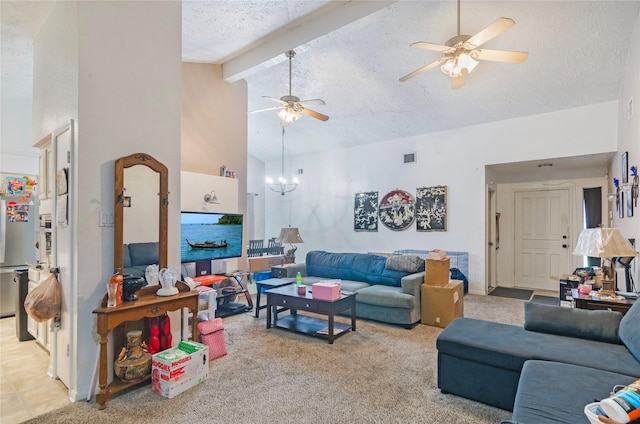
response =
{"points": [[255, 199], [115, 67], [16, 155], [629, 141], [322, 207]]}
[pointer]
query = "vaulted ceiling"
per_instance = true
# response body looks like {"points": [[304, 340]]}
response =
{"points": [[352, 54]]}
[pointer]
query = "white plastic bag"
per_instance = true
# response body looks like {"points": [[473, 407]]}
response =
{"points": [[43, 302]]}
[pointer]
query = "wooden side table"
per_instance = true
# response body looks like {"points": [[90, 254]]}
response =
{"points": [[593, 303], [148, 305]]}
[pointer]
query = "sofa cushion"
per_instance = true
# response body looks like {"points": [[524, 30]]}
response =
{"points": [[126, 257], [551, 392], [593, 325], [352, 266], [392, 297], [630, 330], [143, 253], [406, 263]]}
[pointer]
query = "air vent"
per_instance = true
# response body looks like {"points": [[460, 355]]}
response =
{"points": [[410, 158]]}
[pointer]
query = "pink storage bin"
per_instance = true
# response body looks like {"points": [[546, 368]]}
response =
{"points": [[326, 290], [212, 335]]}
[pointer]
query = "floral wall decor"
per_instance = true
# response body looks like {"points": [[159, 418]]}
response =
{"points": [[365, 211], [397, 210], [431, 208]]}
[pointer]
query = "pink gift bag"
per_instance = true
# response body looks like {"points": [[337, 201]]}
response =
{"points": [[212, 335]]}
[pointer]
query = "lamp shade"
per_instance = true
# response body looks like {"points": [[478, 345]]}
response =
{"points": [[289, 235], [603, 243]]}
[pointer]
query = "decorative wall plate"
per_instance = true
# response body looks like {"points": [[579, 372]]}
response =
{"points": [[397, 210]]}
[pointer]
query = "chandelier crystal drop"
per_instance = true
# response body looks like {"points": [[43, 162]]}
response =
{"points": [[282, 186]]}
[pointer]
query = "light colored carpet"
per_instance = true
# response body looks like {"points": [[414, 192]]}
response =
{"points": [[378, 374]]}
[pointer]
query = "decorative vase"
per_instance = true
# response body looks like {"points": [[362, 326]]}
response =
{"points": [[133, 363], [130, 285]]}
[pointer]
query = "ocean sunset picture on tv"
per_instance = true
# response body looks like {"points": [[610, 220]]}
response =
{"points": [[210, 235]]}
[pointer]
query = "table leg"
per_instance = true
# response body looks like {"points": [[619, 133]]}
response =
{"points": [[103, 396], [268, 311], [331, 328], [353, 315], [258, 288]]}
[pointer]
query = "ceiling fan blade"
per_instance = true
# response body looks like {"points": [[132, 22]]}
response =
{"points": [[501, 55], [421, 70], [492, 31], [313, 102], [431, 46], [457, 82], [314, 114], [275, 100], [264, 110]]}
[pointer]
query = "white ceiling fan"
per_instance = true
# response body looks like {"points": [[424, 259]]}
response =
{"points": [[462, 52], [291, 107]]}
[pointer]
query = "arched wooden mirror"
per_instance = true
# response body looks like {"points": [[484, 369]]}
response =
{"points": [[141, 206]]}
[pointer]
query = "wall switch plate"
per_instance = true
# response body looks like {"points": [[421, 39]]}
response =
{"points": [[105, 219]]}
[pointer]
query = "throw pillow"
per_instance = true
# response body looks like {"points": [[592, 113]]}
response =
{"points": [[630, 330], [405, 263], [600, 326]]}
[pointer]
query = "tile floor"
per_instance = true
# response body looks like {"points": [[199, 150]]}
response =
{"points": [[26, 390]]}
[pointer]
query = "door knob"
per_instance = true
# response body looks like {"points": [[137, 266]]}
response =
{"points": [[564, 246], [564, 237]]}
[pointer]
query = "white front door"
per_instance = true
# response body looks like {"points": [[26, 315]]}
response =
{"points": [[541, 238]]}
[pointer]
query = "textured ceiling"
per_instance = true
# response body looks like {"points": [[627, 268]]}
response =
{"points": [[576, 51]]}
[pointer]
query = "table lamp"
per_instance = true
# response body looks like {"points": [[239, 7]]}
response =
{"points": [[604, 243], [291, 236]]}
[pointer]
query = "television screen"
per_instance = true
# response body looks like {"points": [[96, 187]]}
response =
{"points": [[210, 235]]}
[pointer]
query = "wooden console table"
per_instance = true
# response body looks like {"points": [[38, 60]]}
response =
{"points": [[148, 305]]}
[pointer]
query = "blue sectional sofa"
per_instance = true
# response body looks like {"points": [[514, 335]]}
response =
{"points": [[388, 289], [548, 370]]}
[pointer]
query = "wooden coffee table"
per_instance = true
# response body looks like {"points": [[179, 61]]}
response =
{"points": [[287, 297]]}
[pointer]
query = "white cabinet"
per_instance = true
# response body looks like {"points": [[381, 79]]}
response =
{"points": [[39, 330], [46, 173]]}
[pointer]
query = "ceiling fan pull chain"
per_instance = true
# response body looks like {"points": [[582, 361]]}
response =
{"points": [[282, 173]]}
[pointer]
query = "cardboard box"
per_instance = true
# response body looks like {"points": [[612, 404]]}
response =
{"points": [[177, 369], [264, 263], [326, 290], [437, 272], [441, 305]]}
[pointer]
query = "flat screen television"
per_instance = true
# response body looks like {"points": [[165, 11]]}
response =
{"points": [[210, 235]]}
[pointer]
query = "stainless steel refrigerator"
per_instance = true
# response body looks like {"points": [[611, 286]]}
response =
{"points": [[18, 228]]}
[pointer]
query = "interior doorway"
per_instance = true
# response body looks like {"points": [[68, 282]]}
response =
{"points": [[492, 239]]}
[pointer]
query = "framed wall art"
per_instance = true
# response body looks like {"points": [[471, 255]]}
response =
{"points": [[365, 211], [397, 210], [625, 167], [431, 208]]}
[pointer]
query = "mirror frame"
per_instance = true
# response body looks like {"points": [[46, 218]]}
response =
{"points": [[118, 210]]}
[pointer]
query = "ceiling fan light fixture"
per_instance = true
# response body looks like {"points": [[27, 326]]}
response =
{"points": [[459, 65], [289, 115], [466, 61]]}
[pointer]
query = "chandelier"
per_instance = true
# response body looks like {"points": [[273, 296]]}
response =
{"points": [[282, 186]]}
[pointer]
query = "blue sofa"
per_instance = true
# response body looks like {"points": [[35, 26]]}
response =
{"points": [[546, 371], [136, 257], [388, 289]]}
